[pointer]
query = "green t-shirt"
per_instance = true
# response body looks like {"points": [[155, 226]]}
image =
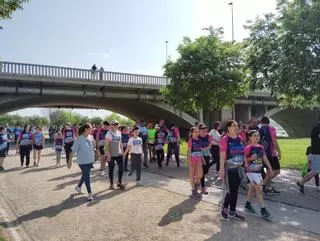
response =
{"points": [[151, 135]]}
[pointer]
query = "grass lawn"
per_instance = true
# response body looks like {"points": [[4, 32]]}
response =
{"points": [[293, 152], [2, 237]]}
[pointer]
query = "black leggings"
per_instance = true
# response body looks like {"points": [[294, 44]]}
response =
{"points": [[25, 152], [215, 153], [67, 148], [173, 147], [160, 157], [231, 198], [111, 164], [205, 169]]}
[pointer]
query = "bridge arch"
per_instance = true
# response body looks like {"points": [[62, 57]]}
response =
{"points": [[132, 108]]}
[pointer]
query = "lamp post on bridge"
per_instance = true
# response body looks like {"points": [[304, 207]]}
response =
{"points": [[232, 24], [167, 51]]}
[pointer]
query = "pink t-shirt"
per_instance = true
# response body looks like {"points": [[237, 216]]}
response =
{"points": [[256, 164], [273, 134]]}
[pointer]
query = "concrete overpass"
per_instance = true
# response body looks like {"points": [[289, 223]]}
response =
{"points": [[136, 96]]}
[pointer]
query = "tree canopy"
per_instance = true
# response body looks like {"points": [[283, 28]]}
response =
{"points": [[208, 73], [283, 53], [7, 7]]}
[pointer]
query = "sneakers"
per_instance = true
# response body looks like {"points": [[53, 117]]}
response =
{"points": [[111, 187], [248, 207], [234, 215], [224, 214], [145, 165], [2, 169], [265, 214], [126, 170], [273, 191], [78, 189], [34, 164], [90, 197], [121, 186], [269, 191], [130, 174], [301, 187], [102, 173], [195, 194], [139, 184], [204, 191]]}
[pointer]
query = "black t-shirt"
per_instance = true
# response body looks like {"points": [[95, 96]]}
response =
{"points": [[315, 140]]}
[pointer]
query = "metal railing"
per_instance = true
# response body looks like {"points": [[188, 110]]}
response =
{"points": [[22, 69]]}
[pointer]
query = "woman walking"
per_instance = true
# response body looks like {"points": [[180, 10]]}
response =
{"points": [[205, 147], [3, 146], [24, 145], [38, 144], [231, 160], [84, 148], [69, 134]]}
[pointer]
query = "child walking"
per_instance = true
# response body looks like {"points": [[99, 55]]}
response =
{"points": [[255, 156], [58, 142], [161, 135], [135, 149], [195, 160]]}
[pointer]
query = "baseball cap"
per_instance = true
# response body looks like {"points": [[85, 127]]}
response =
{"points": [[115, 122]]}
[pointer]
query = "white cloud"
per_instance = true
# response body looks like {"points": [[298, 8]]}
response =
{"points": [[103, 55]]}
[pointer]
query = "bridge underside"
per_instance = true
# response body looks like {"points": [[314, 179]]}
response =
{"points": [[297, 123], [132, 108]]}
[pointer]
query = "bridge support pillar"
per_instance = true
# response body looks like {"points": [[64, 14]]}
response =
{"points": [[226, 114]]}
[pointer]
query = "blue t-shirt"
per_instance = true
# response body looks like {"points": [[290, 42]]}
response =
{"points": [[3, 141]]}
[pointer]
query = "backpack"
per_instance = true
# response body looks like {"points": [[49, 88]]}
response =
{"points": [[265, 139]]}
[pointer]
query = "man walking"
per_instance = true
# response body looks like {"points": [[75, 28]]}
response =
{"points": [[268, 139]]}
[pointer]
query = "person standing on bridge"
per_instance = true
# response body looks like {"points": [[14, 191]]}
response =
{"points": [[93, 71], [84, 148], [69, 137], [24, 145], [3, 146], [114, 153], [38, 144], [101, 71]]}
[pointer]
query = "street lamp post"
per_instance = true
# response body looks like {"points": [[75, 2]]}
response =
{"points": [[167, 50], [231, 4]]}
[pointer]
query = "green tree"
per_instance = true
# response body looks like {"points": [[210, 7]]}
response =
{"points": [[121, 120], [208, 74], [96, 120], [37, 120], [59, 117], [7, 7], [283, 53]]}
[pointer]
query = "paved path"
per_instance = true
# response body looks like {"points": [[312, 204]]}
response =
{"points": [[40, 204]]}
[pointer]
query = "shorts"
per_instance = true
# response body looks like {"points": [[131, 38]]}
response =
{"points": [[3, 153], [315, 164], [101, 150], [36, 147], [254, 178], [195, 161], [274, 162]]}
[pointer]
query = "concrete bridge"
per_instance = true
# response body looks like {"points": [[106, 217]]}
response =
{"points": [[136, 96]]}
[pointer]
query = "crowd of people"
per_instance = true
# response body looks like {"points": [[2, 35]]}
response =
{"points": [[243, 155]]}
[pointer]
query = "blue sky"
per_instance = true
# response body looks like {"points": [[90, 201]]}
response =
{"points": [[120, 35]]}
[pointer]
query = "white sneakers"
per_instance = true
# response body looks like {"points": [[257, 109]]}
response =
{"points": [[139, 183], [78, 189], [90, 196], [102, 173]]}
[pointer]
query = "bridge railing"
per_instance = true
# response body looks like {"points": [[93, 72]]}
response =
{"points": [[22, 69]]}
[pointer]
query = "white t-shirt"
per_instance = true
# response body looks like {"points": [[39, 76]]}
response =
{"points": [[136, 145], [215, 135]]}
